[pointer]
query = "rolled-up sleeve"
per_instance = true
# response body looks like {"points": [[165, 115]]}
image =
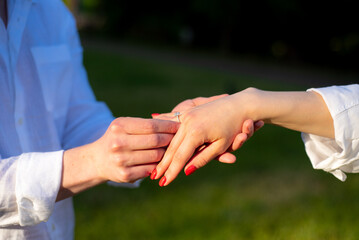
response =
{"points": [[340, 155], [35, 187]]}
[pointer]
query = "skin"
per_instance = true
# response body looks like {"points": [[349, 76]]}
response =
{"points": [[249, 127], [129, 150], [216, 125]]}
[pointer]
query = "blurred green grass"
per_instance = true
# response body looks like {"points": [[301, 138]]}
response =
{"points": [[272, 192]]}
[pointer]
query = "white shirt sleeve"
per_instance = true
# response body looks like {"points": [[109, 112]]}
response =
{"points": [[35, 187], [340, 155], [87, 118]]}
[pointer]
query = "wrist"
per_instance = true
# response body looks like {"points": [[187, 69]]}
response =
{"points": [[249, 103], [93, 158], [78, 173]]}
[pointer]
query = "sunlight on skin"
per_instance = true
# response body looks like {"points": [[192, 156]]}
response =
{"points": [[216, 125], [248, 128]]}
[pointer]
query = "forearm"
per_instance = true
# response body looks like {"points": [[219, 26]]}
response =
{"points": [[300, 111], [78, 172]]}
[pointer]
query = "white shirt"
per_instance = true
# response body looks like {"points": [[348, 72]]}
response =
{"points": [[340, 155], [46, 105]]}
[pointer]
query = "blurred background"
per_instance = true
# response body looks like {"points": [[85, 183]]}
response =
{"points": [[295, 31], [144, 57]]}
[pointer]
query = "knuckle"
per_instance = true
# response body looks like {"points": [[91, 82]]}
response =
{"points": [[178, 157], [150, 125], [201, 161], [119, 160], [118, 124], [125, 175], [114, 146], [118, 144], [156, 140]]}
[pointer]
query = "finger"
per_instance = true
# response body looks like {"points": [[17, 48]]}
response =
{"points": [[177, 159], [163, 116], [203, 157], [248, 127], [167, 158], [168, 116], [227, 158], [134, 173], [144, 126], [180, 158], [138, 142], [258, 125], [133, 158], [239, 140]]}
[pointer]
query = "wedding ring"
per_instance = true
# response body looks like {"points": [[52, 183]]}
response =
{"points": [[177, 114]]}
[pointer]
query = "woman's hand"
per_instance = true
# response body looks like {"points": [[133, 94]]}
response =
{"points": [[206, 132], [248, 128], [191, 103]]}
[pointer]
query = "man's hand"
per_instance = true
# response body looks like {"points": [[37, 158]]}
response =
{"points": [[129, 150]]}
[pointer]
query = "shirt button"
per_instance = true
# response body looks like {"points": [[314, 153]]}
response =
{"points": [[20, 121]]}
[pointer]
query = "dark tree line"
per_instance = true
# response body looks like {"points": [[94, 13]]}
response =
{"points": [[325, 32]]}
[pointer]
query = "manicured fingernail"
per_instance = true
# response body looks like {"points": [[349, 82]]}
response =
{"points": [[190, 170], [155, 114], [162, 181], [153, 174]]}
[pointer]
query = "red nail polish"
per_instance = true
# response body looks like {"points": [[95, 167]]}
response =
{"points": [[190, 170], [153, 174], [155, 114], [162, 181]]}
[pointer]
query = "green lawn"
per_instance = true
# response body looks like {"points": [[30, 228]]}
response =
{"points": [[272, 192]]}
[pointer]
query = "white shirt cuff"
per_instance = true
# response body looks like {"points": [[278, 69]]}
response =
{"points": [[341, 154], [38, 181]]}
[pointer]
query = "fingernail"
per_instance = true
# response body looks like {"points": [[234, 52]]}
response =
{"points": [[155, 114], [153, 174], [162, 181], [190, 170]]}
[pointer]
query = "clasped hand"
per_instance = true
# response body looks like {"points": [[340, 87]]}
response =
{"points": [[133, 148], [210, 128]]}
